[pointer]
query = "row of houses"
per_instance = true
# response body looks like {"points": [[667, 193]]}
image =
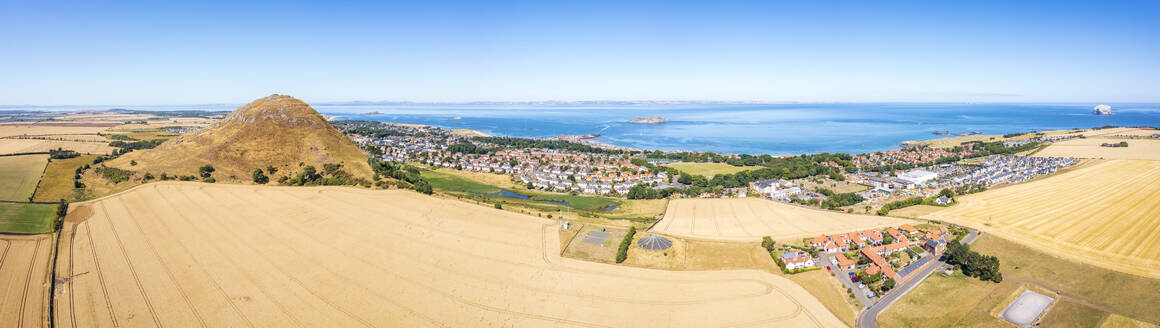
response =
{"points": [[1012, 169], [875, 250]]}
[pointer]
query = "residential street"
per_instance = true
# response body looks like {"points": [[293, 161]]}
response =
{"points": [[868, 318]]}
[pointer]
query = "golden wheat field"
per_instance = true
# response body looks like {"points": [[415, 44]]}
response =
{"points": [[24, 280], [10, 130], [1090, 148], [749, 219], [18, 146], [189, 254], [1107, 214]]}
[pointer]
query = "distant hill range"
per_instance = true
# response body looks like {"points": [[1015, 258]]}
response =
{"points": [[278, 131]]}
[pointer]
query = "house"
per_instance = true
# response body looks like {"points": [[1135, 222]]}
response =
{"points": [[909, 229], [844, 263], [797, 260], [830, 247], [934, 246], [819, 241], [943, 200]]}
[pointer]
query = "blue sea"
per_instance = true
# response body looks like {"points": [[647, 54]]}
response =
{"points": [[778, 129], [781, 129]]}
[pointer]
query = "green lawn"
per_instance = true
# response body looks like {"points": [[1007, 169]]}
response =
{"points": [[709, 169], [19, 175], [453, 183], [27, 218]]}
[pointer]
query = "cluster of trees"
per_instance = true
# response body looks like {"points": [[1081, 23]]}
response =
{"points": [[260, 177], [115, 175], [206, 173], [970, 189], [899, 204], [331, 175], [972, 263], [127, 146], [402, 172], [645, 191], [622, 252], [61, 153], [768, 244], [467, 148], [1115, 145], [915, 201], [983, 149], [835, 200]]}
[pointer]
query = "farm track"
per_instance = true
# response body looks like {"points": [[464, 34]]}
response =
{"points": [[351, 257], [1107, 215]]}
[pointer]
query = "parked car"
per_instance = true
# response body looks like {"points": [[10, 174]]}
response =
{"points": [[861, 286], [870, 294], [828, 268]]}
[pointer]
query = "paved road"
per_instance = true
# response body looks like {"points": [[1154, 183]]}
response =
{"points": [[868, 318]]}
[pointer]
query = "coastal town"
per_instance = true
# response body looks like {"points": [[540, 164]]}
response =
{"points": [[562, 164]]}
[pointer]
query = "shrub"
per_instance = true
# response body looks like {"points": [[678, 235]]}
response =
{"points": [[622, 252], [209, 180], [767, 243], [205, 171], [498, 206], [259, 177]]}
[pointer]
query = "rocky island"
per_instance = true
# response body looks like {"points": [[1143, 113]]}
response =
{"points": [[649, 120], [1102, 109]]}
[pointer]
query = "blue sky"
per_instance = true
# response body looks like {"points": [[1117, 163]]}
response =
{"points": [[146, 53]]}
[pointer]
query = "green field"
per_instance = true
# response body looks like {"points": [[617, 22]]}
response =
{"points": [[461, 186], [27, 218], [19, 175], [709, 169]]}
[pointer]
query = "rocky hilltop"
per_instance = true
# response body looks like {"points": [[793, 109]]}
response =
{"points": [[279, 131], [649, 120]]}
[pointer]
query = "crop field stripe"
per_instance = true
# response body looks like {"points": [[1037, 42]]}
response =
{"points": [[255, 282], [200, 267], [7, 245], [132, 269], [322, 298], [164, 266], [27, 280], [100, 274]]}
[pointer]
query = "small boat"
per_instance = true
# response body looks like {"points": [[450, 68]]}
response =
{"points": [[457, 118]]}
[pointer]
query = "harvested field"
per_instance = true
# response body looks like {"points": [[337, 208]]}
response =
{"points": [[748, 219], [185, 254], [43, 129], [1090, 148], [19, 175], [17, 146], [24, 280], [1107, 214]]}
